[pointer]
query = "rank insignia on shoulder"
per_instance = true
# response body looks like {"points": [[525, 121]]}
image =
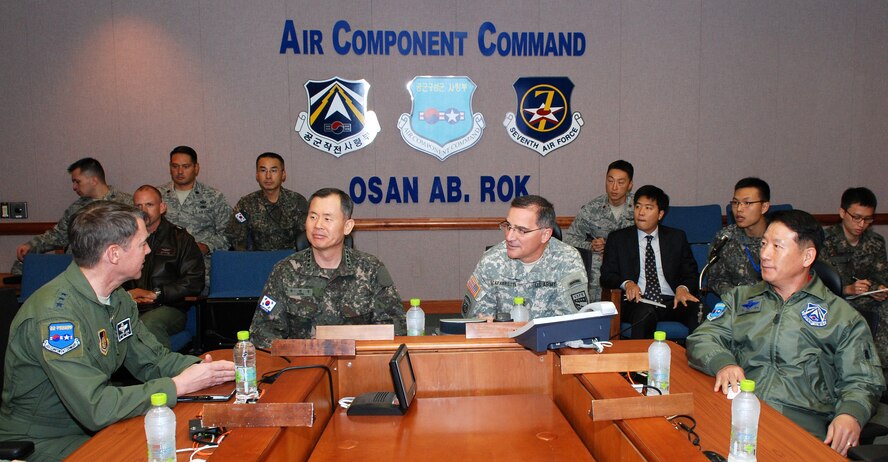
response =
{"points": [[61, 338], [103, 342], [814, 315], [717, 311], [240, 217], [124, 330], [267, 304]]}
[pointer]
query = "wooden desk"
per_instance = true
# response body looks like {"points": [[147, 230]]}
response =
{"points": [[505, 427], [656, 439], [489, 369]]}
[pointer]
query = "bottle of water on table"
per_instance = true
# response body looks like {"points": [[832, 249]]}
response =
{"points": [[745, 410], [160, 430], [659, 359], [245, 369]]}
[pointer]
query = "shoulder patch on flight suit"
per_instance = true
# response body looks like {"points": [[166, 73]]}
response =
{"points": [[814, 315], [62, 338], [717, 311]]}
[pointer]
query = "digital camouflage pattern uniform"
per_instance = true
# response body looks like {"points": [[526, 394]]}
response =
{"points": [[555, 286], [57, 237], [595, 220], [811, 357], [204, 215], [866, 260], [63, 347], [300, 295], [258, 224], [735, 266]]}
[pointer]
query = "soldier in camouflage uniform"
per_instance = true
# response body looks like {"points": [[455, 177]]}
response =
{"points": [[327, 284], [606, 213], [271, 218], [858, 254], [738, 263], [548, 273], [88, 178], [192, 205]]}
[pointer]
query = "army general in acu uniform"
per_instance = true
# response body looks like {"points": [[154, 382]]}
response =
{"points": [[272, 217], [77, 330], [328, 283], [548, 273]]}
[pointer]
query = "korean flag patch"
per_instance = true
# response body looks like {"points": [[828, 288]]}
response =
{"points": [[267, 304], [240, 217], [814, 315]]}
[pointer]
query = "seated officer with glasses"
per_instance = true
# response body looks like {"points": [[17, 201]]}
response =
{"points": [[738, 264], [858, 254], [548, 273]]}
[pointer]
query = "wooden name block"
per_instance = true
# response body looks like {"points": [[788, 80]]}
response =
{"points": [[491, 329], [258, 415], [605, 362], [313, 347], [642, 406], [357, 332]]}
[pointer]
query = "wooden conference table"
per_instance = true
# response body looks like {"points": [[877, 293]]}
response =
{"points": [[478, 399]]}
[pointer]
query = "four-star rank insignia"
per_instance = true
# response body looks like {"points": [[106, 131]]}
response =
{"points": [[441, 122], [543, 121], [337, 121]]}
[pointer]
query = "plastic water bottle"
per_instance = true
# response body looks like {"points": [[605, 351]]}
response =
{"points": [[519, 311], [415, 319], [745, 412], [160, 430], [245, 369], [659, 358]]}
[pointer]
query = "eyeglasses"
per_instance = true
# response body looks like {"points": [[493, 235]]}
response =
{"points": [[506, 227], [860, 218], [744, 204]]}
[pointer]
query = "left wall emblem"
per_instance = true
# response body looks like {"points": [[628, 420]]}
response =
{"points": [[337, 121]]}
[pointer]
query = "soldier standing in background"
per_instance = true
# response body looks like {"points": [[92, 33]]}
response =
{"points": [[602, 215]]}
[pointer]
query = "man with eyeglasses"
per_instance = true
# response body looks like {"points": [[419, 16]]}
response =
{"points": [[654, 267], [548, 273], [595, 220], [738, 263], [272, 217], [858, 254]]}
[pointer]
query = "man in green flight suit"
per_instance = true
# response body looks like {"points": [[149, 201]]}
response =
{"points": [[810, 353], [77, 330]]}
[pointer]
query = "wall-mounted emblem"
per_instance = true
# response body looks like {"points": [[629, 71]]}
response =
{"points": [[543, 121], [441, 122], [337, 121]]}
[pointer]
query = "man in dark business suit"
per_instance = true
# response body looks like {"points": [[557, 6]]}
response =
{"points": [[651, 263]]}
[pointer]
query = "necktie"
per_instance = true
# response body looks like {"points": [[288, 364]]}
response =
{"points": [[651, 280]]}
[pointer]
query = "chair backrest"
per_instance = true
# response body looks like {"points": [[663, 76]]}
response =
{"points": [[773, 208], [699, 222], [40, 268], [242, 274], [8, 308], [829, 276], [302, 242]]}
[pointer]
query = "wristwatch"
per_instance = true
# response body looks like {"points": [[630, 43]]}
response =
{"points": [[157, 293]]}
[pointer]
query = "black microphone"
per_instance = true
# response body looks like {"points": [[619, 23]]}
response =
{"points": [[716, 248]]}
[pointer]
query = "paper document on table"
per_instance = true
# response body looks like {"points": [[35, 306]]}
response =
{"points": [[867, 293]]}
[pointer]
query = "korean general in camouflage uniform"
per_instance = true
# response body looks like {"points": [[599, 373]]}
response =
{"points": [[738, 263], [548, 273], [88, 178], [271, 218], [858, 254], [327, 284], [602, 215]]}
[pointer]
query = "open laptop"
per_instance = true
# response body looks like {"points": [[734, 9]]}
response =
{"points": [[390, 403]]}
